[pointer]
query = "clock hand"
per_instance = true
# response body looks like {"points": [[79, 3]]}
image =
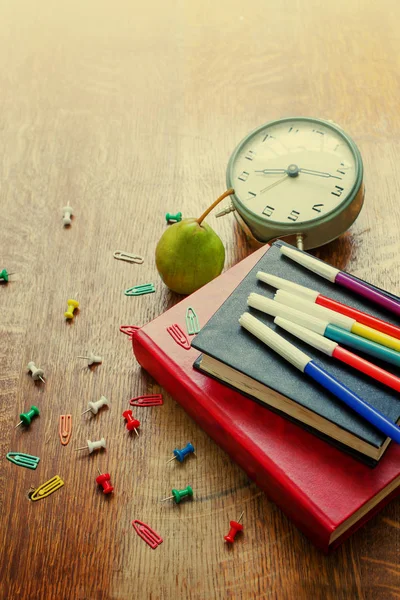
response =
{"points": [[318, 173], [273, 184], [271, 171]]}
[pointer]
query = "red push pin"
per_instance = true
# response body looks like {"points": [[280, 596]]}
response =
{"points": [[104, 481], [235, 526], [131, 422]]}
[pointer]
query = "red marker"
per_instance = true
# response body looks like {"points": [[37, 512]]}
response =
{"points": [[317, 298], [333, 349]]}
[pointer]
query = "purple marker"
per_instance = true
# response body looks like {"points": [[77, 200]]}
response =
{"points": [[343, 279]]}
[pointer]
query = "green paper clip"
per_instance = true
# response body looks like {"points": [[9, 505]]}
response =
{"points": [[192, 321], [44, 490], [139, 290], [23, 460]]}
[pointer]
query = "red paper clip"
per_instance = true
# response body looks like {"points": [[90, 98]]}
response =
{"points": [[129, 329], [150, 400], [179, 336], [65, 429], [147, 534]]}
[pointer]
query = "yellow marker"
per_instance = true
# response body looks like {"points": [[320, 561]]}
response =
{"points": [[44, 490], [375, 336], [72, 305]]}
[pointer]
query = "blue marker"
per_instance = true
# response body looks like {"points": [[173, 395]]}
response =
{"points": [[304, 363]]}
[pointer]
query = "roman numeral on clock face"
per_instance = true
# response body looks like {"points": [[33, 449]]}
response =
{"points": [[250, 155], [317, 207], [243, 176], [337, 191], [268, 210], [294, 215]]}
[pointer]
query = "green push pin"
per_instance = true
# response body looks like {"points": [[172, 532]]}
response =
{"points": [[176, 218], [27, 417], [178, 495], [4, 275]]}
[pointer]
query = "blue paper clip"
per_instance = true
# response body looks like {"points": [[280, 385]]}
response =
{"points": [[23, 460], [139, 290], [192, 321]]}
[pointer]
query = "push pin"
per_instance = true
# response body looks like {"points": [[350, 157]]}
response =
{"points": [[176, 218], [68, 211], [92, 359], [178, 495], [95, 406], [27, 417], [36, 373], [93, 445], [131, 422], [235, 526], [72, 305], [104, 481], [181, 454], [4, 275]]}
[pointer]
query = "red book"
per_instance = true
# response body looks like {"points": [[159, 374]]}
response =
{"points": [[325, 492]]}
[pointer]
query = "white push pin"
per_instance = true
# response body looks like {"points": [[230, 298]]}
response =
{"points": [[36, 373], [68, 211], [95, 406], [92, 358], [93, 445]]}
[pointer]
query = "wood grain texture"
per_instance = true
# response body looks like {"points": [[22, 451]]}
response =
{"points": [[127, 110]]}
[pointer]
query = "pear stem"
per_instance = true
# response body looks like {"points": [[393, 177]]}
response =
{"points": [[217, 201]]}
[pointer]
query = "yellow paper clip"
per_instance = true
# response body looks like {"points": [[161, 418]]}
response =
{"points": [[44, 490], [128, 257]]}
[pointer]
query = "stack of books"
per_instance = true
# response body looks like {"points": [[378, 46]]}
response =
{"points": [[327, 467]]}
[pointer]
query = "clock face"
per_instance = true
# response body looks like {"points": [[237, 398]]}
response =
{"points": [[294, 171]]}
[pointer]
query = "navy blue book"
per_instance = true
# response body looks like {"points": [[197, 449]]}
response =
{"points": [[239, 360]]}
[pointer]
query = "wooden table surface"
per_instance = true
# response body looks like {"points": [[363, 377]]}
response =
{"points": [[127, 110]]}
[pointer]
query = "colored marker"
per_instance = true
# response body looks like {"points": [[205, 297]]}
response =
{"points": [[314, 296], [323, 327], [361, 288], [306, 365], [333, 349], [337, 319]]}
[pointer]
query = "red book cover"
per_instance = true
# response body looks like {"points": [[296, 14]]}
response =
{"points": [[325, 492]]}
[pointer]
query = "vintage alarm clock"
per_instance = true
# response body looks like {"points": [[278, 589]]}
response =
{"points": [[296, 178]]}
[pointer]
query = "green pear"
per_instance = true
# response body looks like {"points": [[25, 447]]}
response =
{"points": [[189, 255]]}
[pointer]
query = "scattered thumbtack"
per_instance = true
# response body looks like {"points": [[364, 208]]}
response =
{"points": [[104, 481], [26, 418], [93, 445], [35, 372], [235, 527], [4, 275], [92, 359], [179, 495], [72, 305], [95, 406], [180, 455], [173, 218], [68, 211], [131, 423]]}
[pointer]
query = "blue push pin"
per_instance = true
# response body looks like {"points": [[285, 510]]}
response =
{"points": [[181, 454]]}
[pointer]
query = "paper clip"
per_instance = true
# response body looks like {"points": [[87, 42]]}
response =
{"points": [[23, 460], [139, 290], [192, 321], [128, 329], [44, 490], [65, 429], [149, 400], [131, 258], [147, 534], [179, 336]]}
